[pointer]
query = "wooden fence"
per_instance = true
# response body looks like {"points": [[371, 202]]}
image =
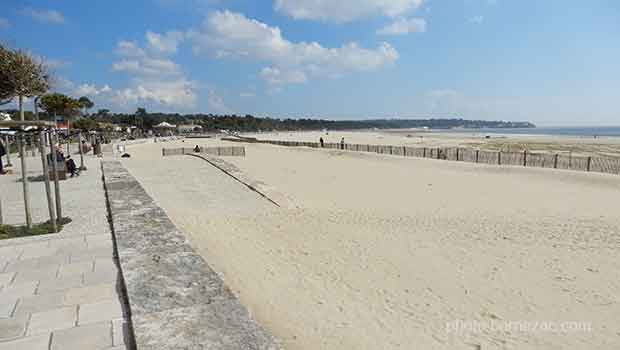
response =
{"points": [[606, 165], [215, 151]]}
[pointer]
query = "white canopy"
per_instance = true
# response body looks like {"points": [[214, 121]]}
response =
{"points": [[164, 125]]}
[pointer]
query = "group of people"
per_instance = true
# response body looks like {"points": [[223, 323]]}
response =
{"points": [[322, 143], [70, 165]]}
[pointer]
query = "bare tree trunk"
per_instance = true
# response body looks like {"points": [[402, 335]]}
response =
{"points": [[48, 188], [55, 174], [1, 222], [22, 155], [82, 167]]}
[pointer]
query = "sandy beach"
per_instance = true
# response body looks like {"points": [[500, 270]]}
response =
{"points": [[382, 252]]}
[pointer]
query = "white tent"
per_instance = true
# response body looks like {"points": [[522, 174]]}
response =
{"points": [[164, 125]]}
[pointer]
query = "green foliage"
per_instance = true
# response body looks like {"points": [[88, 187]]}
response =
{"points": [[59, 104], [86, 103], [11, 231], [86, 124], [21, 75], [250, 123]]}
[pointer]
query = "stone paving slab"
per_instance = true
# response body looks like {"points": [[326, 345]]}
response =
{"points": [[60, 291], [176, 300]]}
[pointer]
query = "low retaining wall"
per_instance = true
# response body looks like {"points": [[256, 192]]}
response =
{"points": [[606, 165], [175, 300], [214, 151]]}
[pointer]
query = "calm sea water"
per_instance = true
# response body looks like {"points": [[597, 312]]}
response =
{"points": [[571, 131]]}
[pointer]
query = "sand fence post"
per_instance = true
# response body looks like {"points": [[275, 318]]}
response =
{"points": [[555, 161], [499, 157], [477, 155], [46, 177], [525, 158], [589, 165]]}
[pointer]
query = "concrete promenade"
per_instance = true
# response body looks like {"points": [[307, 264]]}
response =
{"points": [[60, 291]]}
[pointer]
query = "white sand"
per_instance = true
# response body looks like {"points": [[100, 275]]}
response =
{"points": [[384, 251]]}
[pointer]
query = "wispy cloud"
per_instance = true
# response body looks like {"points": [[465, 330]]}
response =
{"points": [[404, 26], [476, 19], [44, 16]]}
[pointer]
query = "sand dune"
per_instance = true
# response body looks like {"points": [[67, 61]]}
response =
{"points": [[386, 252]]}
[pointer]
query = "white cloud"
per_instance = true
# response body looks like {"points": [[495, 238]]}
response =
{"points": [[147, 66], [277, 77], [92, 90], [129, 49], [153, 78], [476, 19], [344, 10], [167, 43], [403, 26], [4, 23], [247, 94], [227, 34], [216, 103], [44, 16], [178, 93]]}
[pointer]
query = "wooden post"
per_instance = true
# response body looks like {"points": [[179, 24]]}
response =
{"points": [[525, 158], [499, 157], [22, 155], [82, 167], [424, 153], [477, 155], [163, 152], [48, 188], [555, 161], [54, 157], [438, 153], [589, 163], [457, 154], [404, 151]]}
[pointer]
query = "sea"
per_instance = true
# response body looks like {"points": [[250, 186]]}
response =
{"points": [[613, 131]]}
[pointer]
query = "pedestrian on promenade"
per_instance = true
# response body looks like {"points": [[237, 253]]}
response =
{"points": [[322, 142], [342, 143], [2, 153]]}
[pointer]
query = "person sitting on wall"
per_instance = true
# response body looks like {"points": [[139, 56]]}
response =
{"points": [[197, 149], [71, 167]]}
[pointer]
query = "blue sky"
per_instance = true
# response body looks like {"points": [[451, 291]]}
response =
{"points": [[548, 61]]}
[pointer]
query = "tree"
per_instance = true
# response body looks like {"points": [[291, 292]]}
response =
{"points": [[59, 104], [21, 76], [86, 124], [86, 103]]}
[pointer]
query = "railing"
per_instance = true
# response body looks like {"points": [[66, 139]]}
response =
{"points": [[608, 165], [215, 151]]}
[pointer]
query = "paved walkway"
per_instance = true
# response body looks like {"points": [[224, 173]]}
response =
{"points": [[60, 291]]}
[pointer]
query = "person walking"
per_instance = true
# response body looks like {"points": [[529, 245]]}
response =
{"points": [[2, 153], [322, 142], [342, 143]]}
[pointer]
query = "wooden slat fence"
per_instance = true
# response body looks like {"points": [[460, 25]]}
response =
{"points": [[231, 151]]}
